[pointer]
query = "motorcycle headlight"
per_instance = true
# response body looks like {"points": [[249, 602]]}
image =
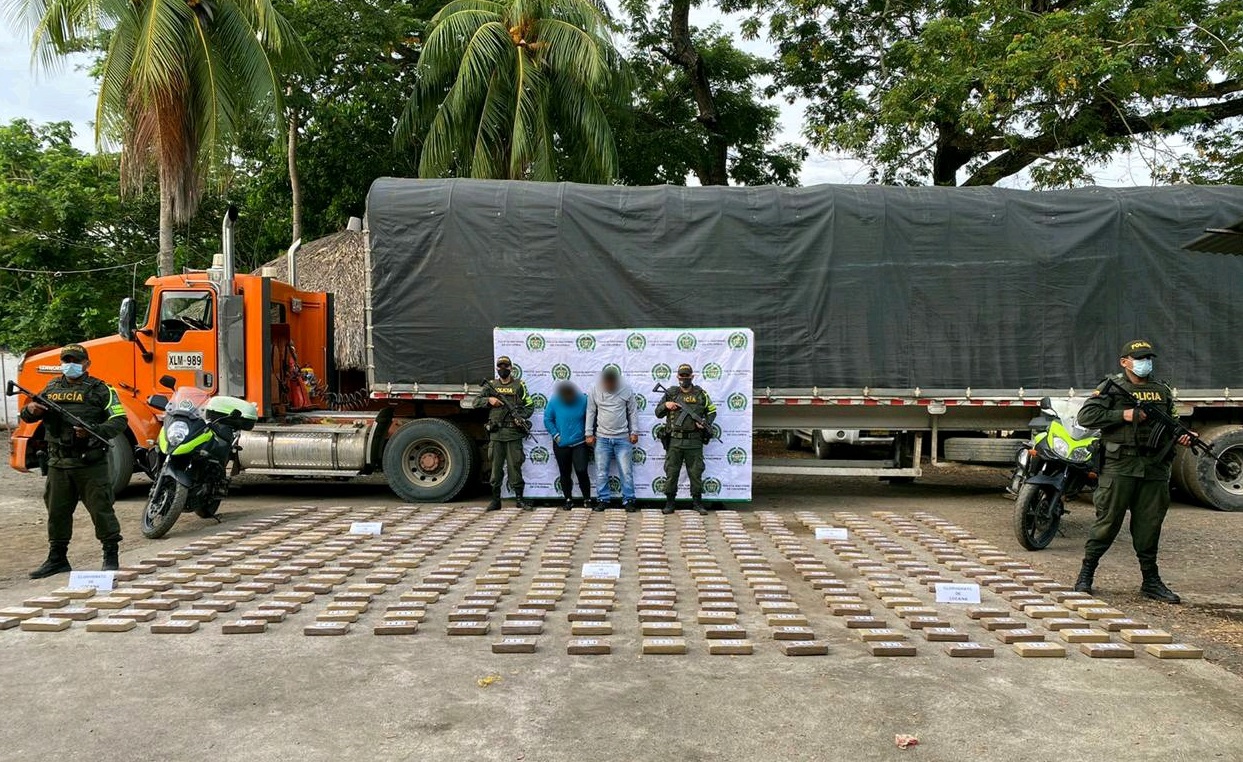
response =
{"points": [[1061, 447], [177, 432], [1082, 454]]}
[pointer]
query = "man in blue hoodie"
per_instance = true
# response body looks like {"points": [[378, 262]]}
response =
{"points": [[613, 429], [564, 418]]}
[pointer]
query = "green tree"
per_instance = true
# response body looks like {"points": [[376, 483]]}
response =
{"points": [[517, 89], [341, 115], [177, 79], [61, 213], [974, 91], [663, 136]]}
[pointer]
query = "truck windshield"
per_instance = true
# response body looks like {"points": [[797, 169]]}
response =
{"points": [[182, 311]]}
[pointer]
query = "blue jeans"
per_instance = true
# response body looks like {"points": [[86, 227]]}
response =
{"points": [[609, 450]]}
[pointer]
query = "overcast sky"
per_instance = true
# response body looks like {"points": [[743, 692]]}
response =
{"points": [[68, 94]]}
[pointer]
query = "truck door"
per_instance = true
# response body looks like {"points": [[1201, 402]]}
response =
{"points": [[185, 337]]}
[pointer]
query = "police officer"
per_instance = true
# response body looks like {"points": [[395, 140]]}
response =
{"points": [[77, 462], [1136, 474], [507, 430], [686, 437]]}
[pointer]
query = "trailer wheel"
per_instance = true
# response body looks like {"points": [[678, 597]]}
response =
{"points": [[1217, 486], [120, 463], [819, 445], [428, 460], [792, 441]]}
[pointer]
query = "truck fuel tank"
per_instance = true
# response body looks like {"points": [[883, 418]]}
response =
{"points": [[336, 447]]}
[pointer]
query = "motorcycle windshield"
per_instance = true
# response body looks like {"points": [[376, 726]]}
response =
{"points": [[1067, 411], [188, 399]]}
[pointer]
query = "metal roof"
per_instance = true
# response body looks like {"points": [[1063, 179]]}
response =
{"points": [[1228, 240]]}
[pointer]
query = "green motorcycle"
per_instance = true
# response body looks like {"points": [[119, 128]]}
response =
{"points": [[1059, 463]]}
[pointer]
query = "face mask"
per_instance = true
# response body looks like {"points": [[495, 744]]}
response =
{"points": [[72, 369], [1142, 367], [685, 383], [502, 372]]}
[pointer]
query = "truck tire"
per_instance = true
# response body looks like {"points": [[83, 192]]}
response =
{"points": [[120, 463], [820, 446], [428, 460], [1205, 481], [981, 449], [792, 441]]}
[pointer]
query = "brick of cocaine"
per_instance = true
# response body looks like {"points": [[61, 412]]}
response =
{"points": [[1039, 650], [111, 625], [1146, 636], [1084, 636], [969, 650], [326, 628], [804, 647], [46, 624], [1020, 636], [244, 627], [1175, 651], [881, 635], [175, 627], [730, 647], [468, 628], [587, 646], [514, 646], [1108, 650], [891, 648], [590, 628], [944, 635], [725, 632], [664, 645]]}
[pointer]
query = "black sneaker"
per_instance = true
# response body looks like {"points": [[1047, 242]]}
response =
{"points": [[568, 505], [630, 506], [597, 508]]}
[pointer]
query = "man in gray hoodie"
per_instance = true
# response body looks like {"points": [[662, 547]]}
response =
{"points": [[613, 429]]}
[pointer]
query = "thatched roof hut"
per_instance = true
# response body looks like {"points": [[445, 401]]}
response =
{"points": [[337, 264]]}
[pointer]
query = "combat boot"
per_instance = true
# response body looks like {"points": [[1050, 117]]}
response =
{"points": [[522, 502], [1155, 589], [697, 505], [1087, 572], [111, 556], [495, 505], [669, 505], [57, 561]]}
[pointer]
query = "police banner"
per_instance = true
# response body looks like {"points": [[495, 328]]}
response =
{"points": [[722, 358]]}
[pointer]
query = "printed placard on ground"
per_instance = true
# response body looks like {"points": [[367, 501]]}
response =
{"points": [[100, 580], [366, 527], [832, 533], [957, 592], [601, 570]]}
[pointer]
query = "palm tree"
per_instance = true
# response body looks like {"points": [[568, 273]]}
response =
{"points": [[177, 81], [517, 89]]}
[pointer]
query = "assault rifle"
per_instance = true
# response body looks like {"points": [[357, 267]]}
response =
{"points": [[1167, 429], [13, 388], [700, 421], [520, 423]]}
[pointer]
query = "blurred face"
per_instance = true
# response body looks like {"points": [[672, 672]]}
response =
{"points": [[685, 379], [610, 382], [503, 369], [567, 393]]}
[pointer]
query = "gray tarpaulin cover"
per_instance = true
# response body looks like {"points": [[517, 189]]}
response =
{"points": [[844, 285]]}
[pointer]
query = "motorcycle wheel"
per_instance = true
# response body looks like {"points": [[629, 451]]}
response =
{"points": [[167, 501], [1036, 519]]}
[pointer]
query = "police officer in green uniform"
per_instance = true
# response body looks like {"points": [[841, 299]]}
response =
{"points": [[506, 433], [77, 462], [1136, 474], [686, 437]]}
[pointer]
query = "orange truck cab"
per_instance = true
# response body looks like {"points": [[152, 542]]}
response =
{"points": [[247, 336]]}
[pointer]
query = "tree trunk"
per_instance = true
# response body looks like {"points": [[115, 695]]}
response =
{"points": [[168, 264], [715, 167], [295, 185]]}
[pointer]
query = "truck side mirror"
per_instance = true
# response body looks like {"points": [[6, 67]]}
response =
{"points": [[168, 382], [126, 323], [158, 401]]}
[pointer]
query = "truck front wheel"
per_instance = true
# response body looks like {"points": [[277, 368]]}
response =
{"points": [[120, 463], [428, 460], [1216, 485]]}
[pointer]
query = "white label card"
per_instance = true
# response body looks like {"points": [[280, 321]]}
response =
{"points": [[100, 580], [366, 527], [955, 592], [832, 533], [601, 570]]}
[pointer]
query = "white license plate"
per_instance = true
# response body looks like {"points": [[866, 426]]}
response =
{"points": [[185, 360]]}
